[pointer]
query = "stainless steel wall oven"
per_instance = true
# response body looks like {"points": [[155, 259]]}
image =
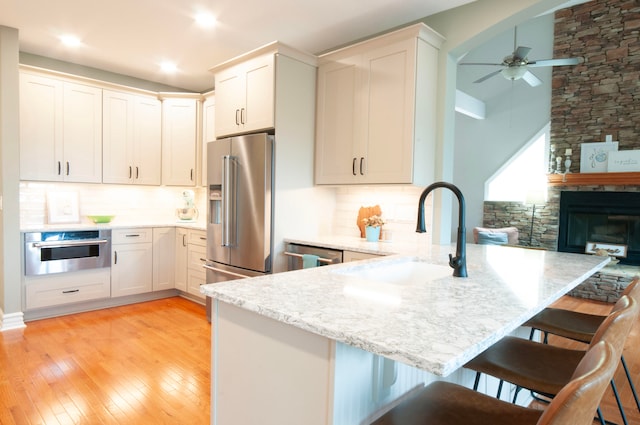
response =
{"points": [[66, 251]]}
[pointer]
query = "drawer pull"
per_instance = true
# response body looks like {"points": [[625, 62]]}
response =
{"points": [[132, 236], [70, 291]]}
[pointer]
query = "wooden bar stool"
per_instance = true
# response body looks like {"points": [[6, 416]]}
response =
{"points": [[443, 403], [545, 369], [580, 327]]}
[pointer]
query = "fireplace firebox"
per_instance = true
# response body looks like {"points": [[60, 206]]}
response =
{"points": [[610, 219]]}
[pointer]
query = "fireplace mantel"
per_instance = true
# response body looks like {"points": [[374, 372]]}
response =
{"points": [[593, 179]]}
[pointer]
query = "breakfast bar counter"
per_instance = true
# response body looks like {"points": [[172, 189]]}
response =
{"points": [[303, 331]]}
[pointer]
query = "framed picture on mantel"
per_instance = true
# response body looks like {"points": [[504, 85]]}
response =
{"points": [[594, 157], [613, 250]]}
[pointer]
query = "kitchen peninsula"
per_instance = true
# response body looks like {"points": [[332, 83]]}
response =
{"points": [[338, 344]]}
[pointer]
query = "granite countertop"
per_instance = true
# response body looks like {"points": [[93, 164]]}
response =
{"points": [[434, 324]]}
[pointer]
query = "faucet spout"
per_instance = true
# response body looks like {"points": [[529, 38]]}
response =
{"points": [[459, 262]]}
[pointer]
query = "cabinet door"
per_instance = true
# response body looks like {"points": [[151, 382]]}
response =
{"points": [[259, 94], [179, 142], [131, 269], [117, 137], [147, 140], [181, 259], [82, 133], [208, 132], [390, 73], [40, 128], [230, 96], [245, 97], [164, 243], [336, 133]]}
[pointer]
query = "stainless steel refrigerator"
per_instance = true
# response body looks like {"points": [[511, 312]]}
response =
{"points": [[240, 207]]}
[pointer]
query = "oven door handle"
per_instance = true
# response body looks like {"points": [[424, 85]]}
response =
{"points": [[62, 244], [215, 269]]}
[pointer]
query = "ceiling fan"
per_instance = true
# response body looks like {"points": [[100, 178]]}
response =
{"points": [[516, 65]]}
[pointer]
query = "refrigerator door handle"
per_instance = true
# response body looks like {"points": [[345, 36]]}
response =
{"points": [[228, 201], [217, 270]]}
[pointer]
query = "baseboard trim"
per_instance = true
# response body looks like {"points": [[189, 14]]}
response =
{"points": [[10, 321]]}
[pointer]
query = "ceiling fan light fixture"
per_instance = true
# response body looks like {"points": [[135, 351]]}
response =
{"points": [[514, 72]]}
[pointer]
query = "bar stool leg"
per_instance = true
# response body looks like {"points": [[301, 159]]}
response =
{"points": [[615, 393], [633, 388]]}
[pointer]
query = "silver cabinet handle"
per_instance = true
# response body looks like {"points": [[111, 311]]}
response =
{"points": [[184, 240], [137, 173], [215, 269], [242, 114], [130, 172], [237, 119], [59, 167], [115, 257], [353, 166], [132, 235], [320, 259], [70, 291], [68, 168], [361, 162], [62, 244]]}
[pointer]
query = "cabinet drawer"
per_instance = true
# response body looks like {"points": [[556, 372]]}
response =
{"points": [[133, 235], [198, 237], [196, 257], [65, 288]]}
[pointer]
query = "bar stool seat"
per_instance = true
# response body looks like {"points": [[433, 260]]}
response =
{"points": [[443, 403], [545, 369]]}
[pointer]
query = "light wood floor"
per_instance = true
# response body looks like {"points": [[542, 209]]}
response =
{"points": [[149, 363], [146, 363]]}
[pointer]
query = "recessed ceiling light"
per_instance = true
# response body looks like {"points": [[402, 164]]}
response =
{"points": [[70, 40], [205, 19], [168, 67]]}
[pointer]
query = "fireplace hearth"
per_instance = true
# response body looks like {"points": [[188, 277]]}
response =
{"points": [[598, 218]]}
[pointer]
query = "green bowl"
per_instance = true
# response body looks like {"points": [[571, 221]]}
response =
{"points": [[101, 218]]}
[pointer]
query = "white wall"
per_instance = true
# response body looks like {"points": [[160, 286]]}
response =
{"points": [[515, 111], [10, 301], [465, 28]]}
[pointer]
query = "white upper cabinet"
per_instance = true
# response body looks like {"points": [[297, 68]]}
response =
{"points": [[179, 140], [245, 96], [208, 132], [60, 130], [376, 110], [131, 138]]}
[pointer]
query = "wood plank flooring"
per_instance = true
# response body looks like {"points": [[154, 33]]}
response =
{"points": [[149, 363], [145, 363]]}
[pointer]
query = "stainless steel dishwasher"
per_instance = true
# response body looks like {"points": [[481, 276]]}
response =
{"points": [[296, 253]]}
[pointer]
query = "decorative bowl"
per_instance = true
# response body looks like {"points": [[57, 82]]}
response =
{"points": [[101, 218]]}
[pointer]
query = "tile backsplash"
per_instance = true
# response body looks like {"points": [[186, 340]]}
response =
{"points": [[129, 204], [399, 205], [157, 204]]}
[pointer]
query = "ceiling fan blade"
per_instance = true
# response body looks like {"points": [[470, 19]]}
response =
{"points": [[481, 63], [521, 52], [531, 79], [556, 62], [486, 77]]}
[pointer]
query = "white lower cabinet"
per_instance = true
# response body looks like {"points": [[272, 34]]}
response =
{"points": [[190, 256], [163, 258], [64, 288], [131, 261], [181, 259], [196, 258]]}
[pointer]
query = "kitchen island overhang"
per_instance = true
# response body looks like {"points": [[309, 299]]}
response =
{"points": [[435, 325]]}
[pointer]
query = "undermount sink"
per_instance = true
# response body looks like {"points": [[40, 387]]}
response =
{"points": [[410, 270]]}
